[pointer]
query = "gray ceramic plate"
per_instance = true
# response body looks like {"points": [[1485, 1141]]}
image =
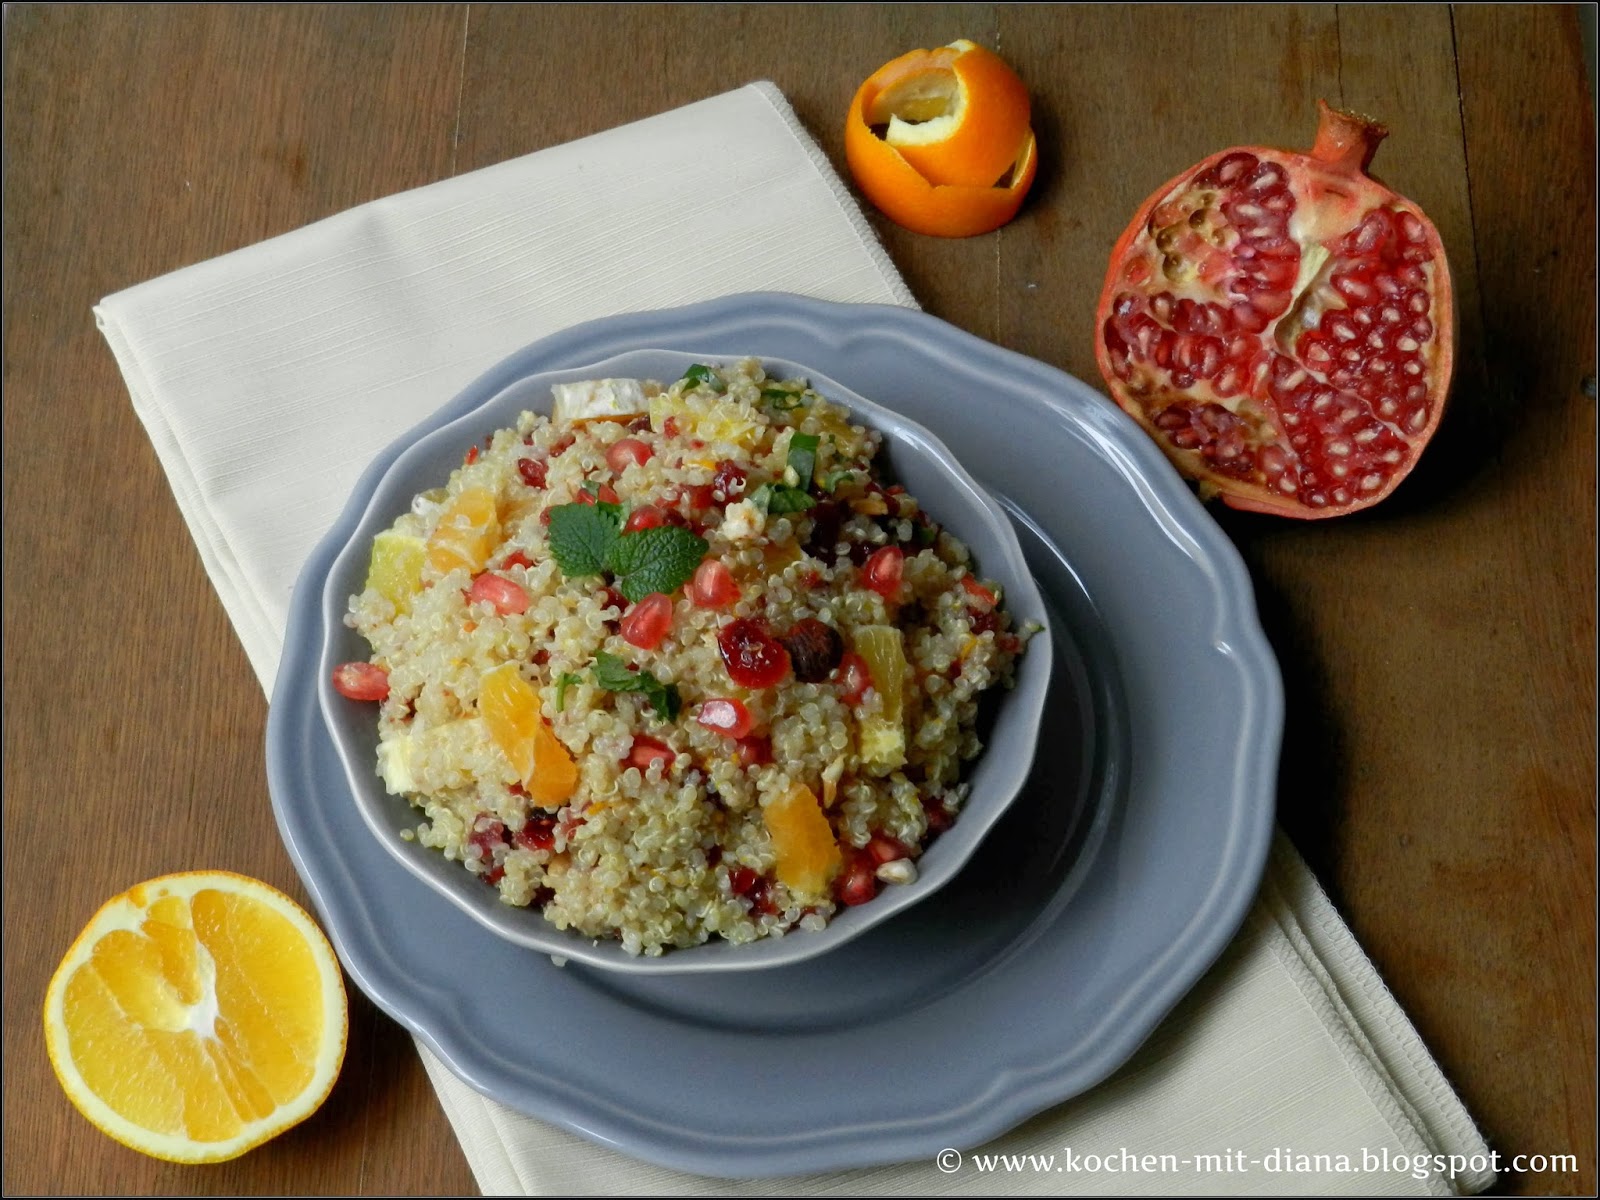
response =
{"points": [[923, 465], [1115, 880]]}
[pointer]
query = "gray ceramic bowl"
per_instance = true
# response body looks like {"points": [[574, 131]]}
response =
{"points": [[913, 456]]}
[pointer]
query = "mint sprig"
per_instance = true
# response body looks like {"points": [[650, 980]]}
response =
{"points": [[803, 458], [587, 539], [613, 674]]}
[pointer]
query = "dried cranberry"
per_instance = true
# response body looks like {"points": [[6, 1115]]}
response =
{"points": [[814, 649], [754, 659], [983, 622], [534, 473], [754, 751], [826, 519]]}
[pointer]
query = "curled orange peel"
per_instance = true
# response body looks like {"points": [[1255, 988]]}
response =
{"points": [[955, 125]]}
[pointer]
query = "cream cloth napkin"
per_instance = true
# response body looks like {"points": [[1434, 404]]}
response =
{"points": [[267, 379]]}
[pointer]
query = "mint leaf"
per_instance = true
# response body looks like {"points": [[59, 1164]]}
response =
{"points": [[833, 479], [803, 458], [563, 682], [582, 537], [655, 560], [613, 674]]}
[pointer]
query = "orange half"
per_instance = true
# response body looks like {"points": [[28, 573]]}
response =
{"points": [[957, 155]]}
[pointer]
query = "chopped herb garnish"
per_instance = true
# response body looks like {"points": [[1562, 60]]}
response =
{"points": [[565, 680], [613, 674], [927, 535], [803, 458], [832, 480], [582, 537], [780, 498], [661, 559], [782, 399], [702, 374]]}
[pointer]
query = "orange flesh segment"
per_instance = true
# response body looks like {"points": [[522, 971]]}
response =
{"points": [[468, 530], [510, 708], [807, 854]]}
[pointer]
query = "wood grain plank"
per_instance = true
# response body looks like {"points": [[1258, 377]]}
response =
{"points": [[139, 139], [1530, 150], [816, 54]]}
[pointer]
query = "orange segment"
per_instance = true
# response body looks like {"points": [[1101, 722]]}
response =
{"points": [[467, 533], [963, 127], [197, 1016], [555, 774], [958, 114], [510, 708], [807, 854]]}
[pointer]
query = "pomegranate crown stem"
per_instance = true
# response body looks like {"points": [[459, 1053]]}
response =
{"points": [[1346, 139]]}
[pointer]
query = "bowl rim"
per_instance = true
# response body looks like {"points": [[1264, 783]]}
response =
{"points": [[1022, 706]]}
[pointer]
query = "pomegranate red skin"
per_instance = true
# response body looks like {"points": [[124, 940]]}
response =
{"points": [[1331, 179]]}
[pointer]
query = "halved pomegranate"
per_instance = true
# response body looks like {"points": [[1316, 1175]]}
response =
{"points": [[1282, 324]]}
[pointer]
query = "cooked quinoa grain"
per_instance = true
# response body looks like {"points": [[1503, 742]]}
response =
{"points": [[674, 664]]}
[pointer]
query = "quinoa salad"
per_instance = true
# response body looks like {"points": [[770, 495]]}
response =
{"points": [[675, 663]]}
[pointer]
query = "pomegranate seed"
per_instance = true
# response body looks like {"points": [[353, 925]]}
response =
{"points": [[984, 597], [669, 427], [729, 480], [885, 571], [533, 472], [854, 677], [743, 881], [627, 451], [700, 497], [517, 559], [538, 834], [472, 456], [487, 833], [611, 598], [726, 716], [604, 494], [883, 848], [754, 752], [562, 446], [938, 819], [648, 622], [858, 882], [754, 659], [712, 585], [647, 516], [361, 681], [500, 593], [647, 750]]}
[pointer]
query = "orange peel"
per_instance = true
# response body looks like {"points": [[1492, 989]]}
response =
{"points": [[955, 124]]}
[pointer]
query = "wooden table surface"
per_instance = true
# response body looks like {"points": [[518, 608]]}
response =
{"points": [[1438, 652]]}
